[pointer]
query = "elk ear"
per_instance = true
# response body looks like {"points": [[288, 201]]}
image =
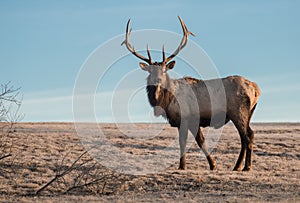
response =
{"points": [[170, 65], [144, 66]]}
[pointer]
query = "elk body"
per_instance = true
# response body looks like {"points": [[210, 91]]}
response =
{"points": [[187, 103]]}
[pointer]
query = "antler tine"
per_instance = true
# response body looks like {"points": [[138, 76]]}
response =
{"points": [[149, 55], [131, 48], [127, 34], [164, 53], [184, 28], [183, 42]]}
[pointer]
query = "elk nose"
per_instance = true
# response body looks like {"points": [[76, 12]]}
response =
{"points": [[158, 81]]}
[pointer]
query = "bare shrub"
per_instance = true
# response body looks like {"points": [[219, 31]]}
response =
{"points": [[83, 175], [10, 103]]}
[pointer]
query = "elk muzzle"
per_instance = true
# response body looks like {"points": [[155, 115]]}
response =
{"points": [[157, 92]]}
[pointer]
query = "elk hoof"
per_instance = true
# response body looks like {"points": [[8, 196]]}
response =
{"points": [[213, 167], [237, 169], [246, 168], [181, 167]]}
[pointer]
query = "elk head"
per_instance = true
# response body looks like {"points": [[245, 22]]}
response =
{"points": [[158, 79]]}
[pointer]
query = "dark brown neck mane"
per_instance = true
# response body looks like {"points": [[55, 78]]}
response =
{"points": [[165, 95]]}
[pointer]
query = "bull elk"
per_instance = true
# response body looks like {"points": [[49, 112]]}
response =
{"points": [[187, 103]]}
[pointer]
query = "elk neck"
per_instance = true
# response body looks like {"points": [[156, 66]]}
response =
{"points": [[161, 96]]}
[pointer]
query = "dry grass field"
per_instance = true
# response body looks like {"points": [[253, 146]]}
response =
{"points": [[52, 153]]}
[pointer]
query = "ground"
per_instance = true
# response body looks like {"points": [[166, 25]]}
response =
{"points": [[40, 150]]}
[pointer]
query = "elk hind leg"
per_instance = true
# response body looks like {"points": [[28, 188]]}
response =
{"points": [[238, 164], [249, 143], [249, 148], [241, 122], [241, 125]]}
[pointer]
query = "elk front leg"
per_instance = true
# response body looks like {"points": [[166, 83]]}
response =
{"points": [[197, 132], [201, 143], [183, 132]]}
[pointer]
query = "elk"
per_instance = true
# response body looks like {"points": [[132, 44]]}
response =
{"points": [[187, 102]]}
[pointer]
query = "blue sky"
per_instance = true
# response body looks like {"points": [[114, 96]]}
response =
{"points": [[44, 44]]}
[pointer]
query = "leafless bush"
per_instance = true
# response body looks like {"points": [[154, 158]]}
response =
{"points": [[83, 175], [9, 114]]}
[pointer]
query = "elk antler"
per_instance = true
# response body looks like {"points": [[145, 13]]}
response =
{"points": [[186, 33], [131, 48]]}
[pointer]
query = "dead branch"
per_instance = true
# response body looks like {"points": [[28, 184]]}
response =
{"points": [[60, 174], [5, 156], [9, 93], [86, 184]]}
